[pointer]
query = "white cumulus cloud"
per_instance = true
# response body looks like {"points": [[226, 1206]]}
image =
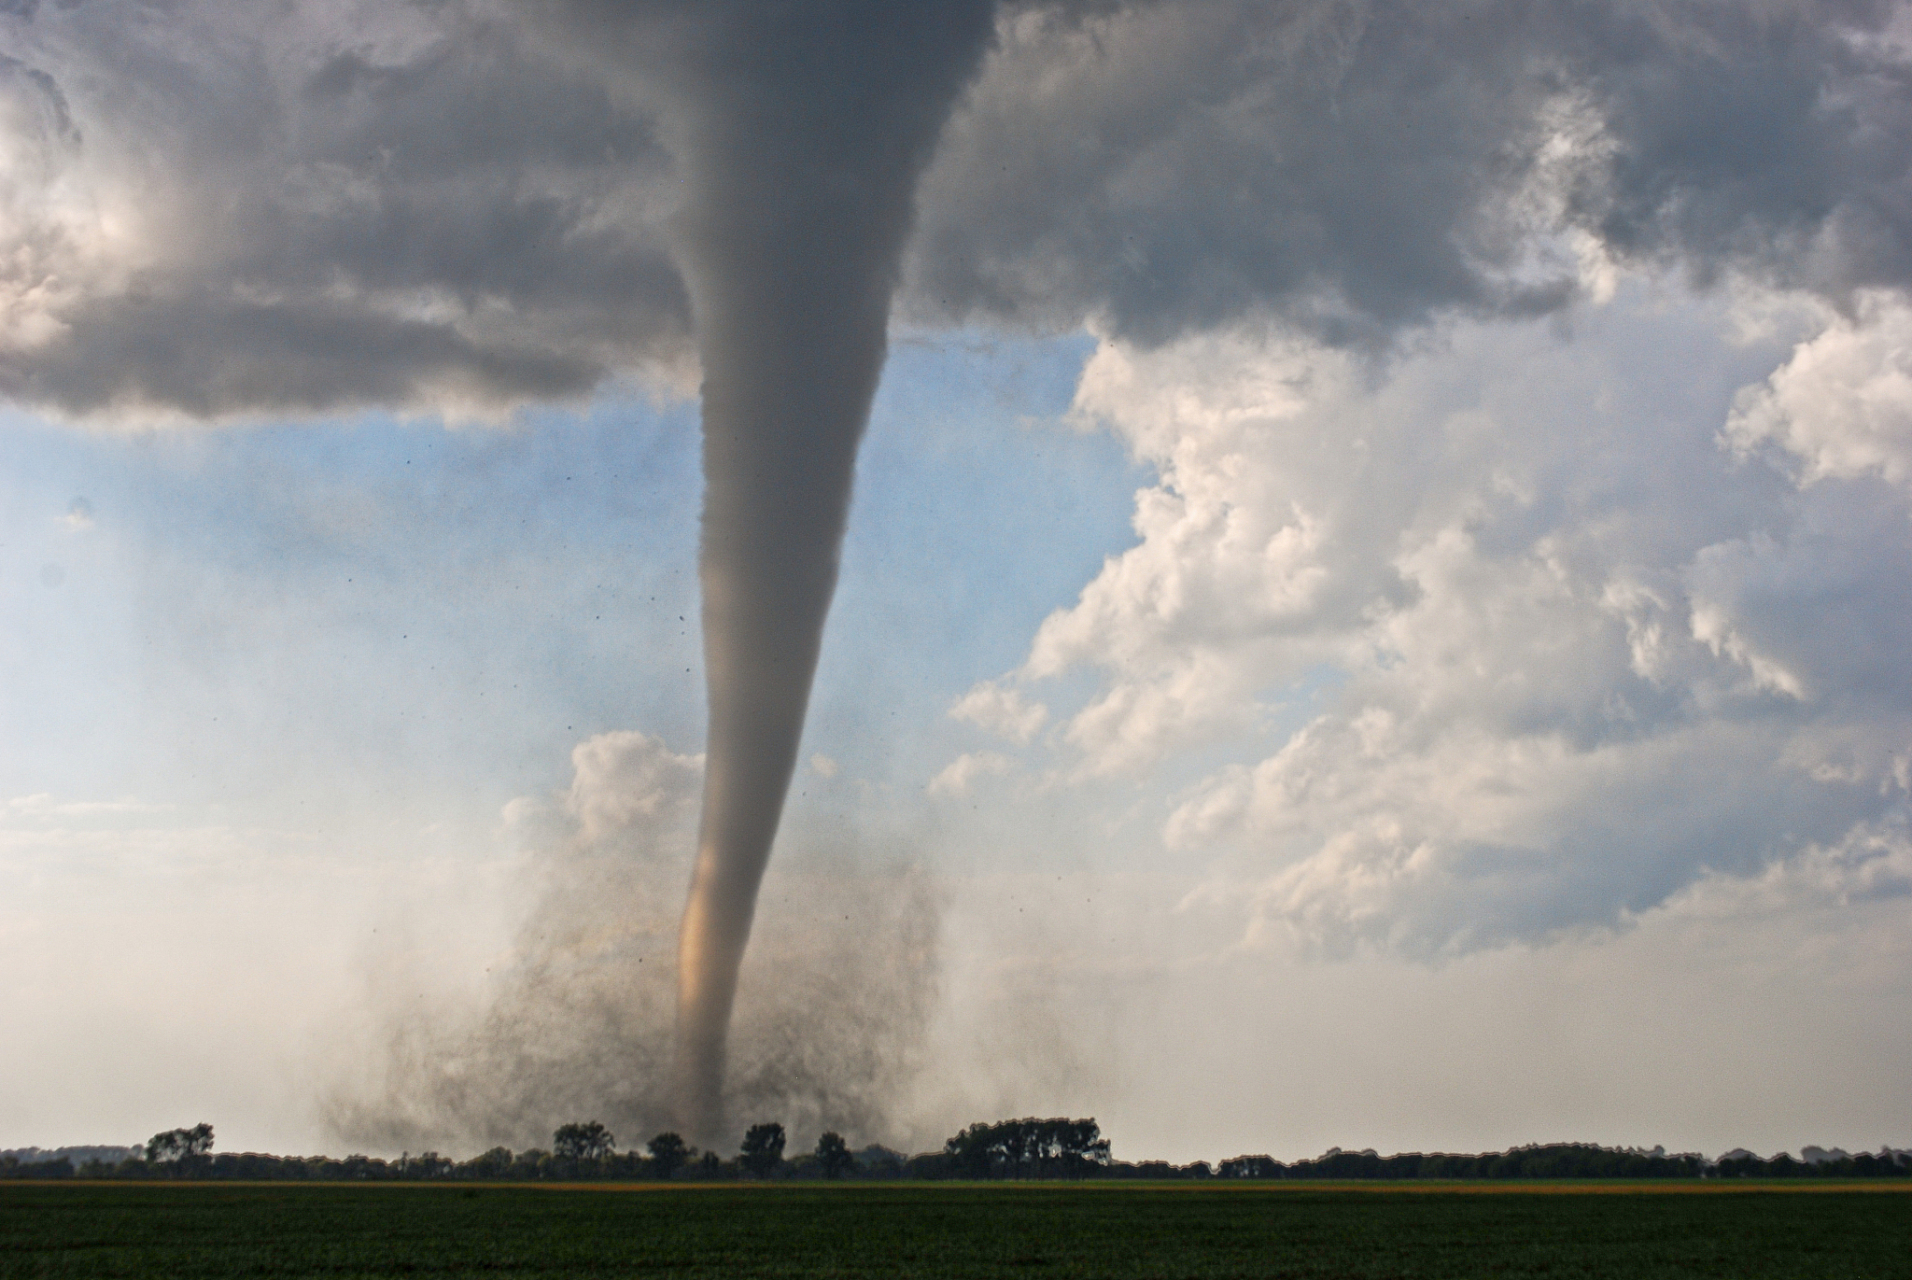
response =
{"points": [[1842, 406], [1583, 651], [964, 770], [626, 777], [1001, 710]]}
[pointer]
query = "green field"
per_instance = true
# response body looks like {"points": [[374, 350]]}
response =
{"points": [[1047, 1230]]}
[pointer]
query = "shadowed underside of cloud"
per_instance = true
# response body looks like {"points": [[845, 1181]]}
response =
{"points": [[215, 210], [1354, 167]]}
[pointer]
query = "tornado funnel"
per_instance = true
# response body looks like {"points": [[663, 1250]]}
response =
{"points": [[805, 129]]}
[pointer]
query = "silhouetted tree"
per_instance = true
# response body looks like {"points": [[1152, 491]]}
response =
{"points": [[495, 1163], [177, 1145], [833, 1154], [590, 1141], [1028, 1148], [418, 1167], [763, 1148], [668, 1154]]}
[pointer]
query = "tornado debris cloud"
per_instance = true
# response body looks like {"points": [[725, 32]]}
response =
{"points": [[803, 130]]}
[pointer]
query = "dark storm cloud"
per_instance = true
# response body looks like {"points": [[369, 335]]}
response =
{"points": [[1357, 167], [293, 211], [327, 205], [1777, 136]]}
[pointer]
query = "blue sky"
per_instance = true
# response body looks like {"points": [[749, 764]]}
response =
{"points": [[342, 602]]}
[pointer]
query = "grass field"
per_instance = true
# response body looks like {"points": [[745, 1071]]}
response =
{"points": [[1044, 1230]]}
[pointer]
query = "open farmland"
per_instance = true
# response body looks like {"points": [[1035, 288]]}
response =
{"points": [[1691, 1229]]}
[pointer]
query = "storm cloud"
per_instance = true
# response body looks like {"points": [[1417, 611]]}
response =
{"points": [[461, 207], [1356, 167]]}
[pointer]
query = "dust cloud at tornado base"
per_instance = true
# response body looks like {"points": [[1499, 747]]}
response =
{"points": [[833, 1015]]}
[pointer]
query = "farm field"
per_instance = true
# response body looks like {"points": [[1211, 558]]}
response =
{"points": [[1047, 1230]]}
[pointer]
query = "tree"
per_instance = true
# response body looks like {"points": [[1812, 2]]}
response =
{"points": [[582, 1142], [833, 1153], [668, 1154], [763, 1149], [1028, 1148], [495, 1163], [175, 1145]]}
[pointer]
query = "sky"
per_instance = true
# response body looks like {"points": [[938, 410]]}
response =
{"points": [[1372, 612]]}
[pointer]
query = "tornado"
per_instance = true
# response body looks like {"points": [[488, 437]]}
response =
{"points": [[804, 128]]}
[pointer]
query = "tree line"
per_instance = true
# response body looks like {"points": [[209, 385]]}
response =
{"points": [[1029, 1148], [1568, 1160]]}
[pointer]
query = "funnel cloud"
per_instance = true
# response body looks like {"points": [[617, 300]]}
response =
{"points": [[802, 131]]}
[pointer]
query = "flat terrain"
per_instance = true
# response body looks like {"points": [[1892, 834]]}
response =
{"points": [[1044, 1230]]}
